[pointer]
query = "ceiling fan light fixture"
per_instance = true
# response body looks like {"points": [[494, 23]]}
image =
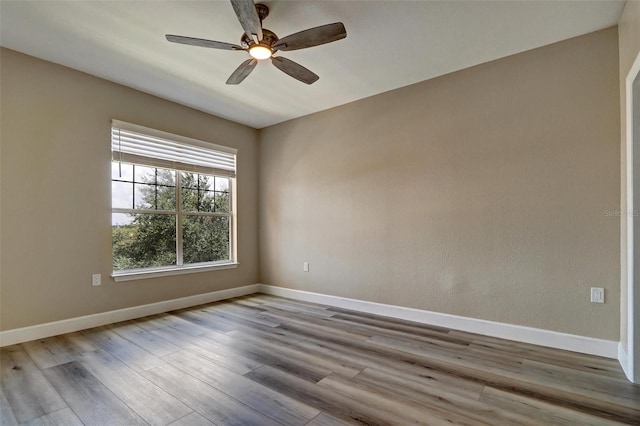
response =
{"points": [[259, 51]]}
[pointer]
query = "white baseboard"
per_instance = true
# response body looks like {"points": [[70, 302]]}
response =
{"points": [[554, 339], [623, 359], [536, 336], [40, 331]]}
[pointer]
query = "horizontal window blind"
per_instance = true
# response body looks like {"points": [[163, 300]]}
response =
{"points": [[131, 143]]}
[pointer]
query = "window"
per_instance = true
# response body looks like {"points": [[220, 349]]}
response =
{"points": [[172, 201]]}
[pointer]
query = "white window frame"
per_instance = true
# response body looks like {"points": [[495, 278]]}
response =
{"points": [[180, 267]]}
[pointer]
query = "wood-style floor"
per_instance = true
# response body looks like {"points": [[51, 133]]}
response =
{"points": [[264, 360]]}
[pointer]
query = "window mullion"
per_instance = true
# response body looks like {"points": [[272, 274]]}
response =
{"points": [[179, 244], [232, 220], [133, 185], [156, 190], [142, 211]]}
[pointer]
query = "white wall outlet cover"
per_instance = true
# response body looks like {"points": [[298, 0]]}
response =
{"points": [[597, 295], [96, 279], [305, 266]]}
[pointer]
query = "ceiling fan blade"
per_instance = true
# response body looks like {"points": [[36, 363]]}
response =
{"points": [[312, 37], [242, 71], [295, 70], [248, 17], [202, 42]]}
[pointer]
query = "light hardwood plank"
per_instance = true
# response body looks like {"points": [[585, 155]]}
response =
{"points": [[276, 334], [341, 406], [205, 319], [91, 401], [433, 382], [225, 322], [601, 366], [233, 318], [291, 304], [7, 418], [437, 396], [403, 332], [193, 419], [604, 365], [288, 305], [46, 352], [206, 400], [498, 376], [392, 322], [209, 349], [261, 355], [545, 412], [373, 357], [242, 312], [597, 383], [323, 419], [173, 321], [403, 408], [26, 389], [143, 338], [153, 404], [126, 351], [64, 417], [299, 343], [292, 352], [320, 327], [427, 351], [75, 343], [268, 402]]}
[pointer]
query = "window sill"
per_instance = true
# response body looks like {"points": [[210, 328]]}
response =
{"points": [[165, 272]]}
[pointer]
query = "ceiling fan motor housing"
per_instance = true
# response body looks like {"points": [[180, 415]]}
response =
{"points": [[268, 39]]}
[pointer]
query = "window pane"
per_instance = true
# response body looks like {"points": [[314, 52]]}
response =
{"points": [[206, 201], [121, 171], [120, 219], [205, 238], [222, 203], [143, 240], [121, 195], [152, 196], [166, 177], [145, 196], [194, 200], [205, 182], [222, 184], [189, 199], [145, 174], [197, 193], [166, 198], [189, 180]]}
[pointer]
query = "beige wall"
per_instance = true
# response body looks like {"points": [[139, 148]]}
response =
{"points": [[55, 172], [629, 47], [481, 193]]}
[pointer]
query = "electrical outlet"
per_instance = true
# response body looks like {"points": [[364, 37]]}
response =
{"points": [[597, 295], [305, 266], [96, 279]]}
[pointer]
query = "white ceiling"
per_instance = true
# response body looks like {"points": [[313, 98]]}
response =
{"points": [[390, 44]]}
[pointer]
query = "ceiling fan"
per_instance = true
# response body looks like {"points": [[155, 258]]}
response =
{"points": [[263, 44]]}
